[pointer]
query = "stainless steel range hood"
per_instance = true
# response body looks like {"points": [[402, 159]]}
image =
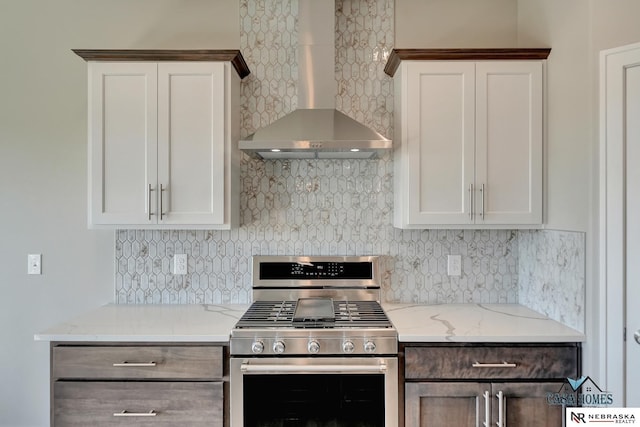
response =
{"points": [[315, 133], [316, 129]]}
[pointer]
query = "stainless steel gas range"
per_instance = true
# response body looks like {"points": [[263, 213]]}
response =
{"points": [[315, 347]]}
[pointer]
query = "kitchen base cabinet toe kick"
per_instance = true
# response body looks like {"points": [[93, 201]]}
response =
{"points": [[486, 385], [137, 385]]}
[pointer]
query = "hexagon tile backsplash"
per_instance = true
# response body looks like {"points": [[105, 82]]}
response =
{"points": [[341, 207], [541, 269]]}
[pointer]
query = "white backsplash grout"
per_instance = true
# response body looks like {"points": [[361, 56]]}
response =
{"points": [[341, 207]]}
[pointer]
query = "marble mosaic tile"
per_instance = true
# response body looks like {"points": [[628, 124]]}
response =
{"points": [[414, 262], [364, 39], [268, 41], [551, 274]]}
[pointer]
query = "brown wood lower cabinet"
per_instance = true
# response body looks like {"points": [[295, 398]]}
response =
{"points": [[138, 384], [480, 385], [478, 404], [138, 403]]}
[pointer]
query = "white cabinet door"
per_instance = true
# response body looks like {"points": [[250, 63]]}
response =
{"points": [[122, 142], [468, 144], [508, 177], [436, 153], [191, 142]]}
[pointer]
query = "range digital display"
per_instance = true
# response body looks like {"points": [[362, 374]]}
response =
{"points": [[316, 270]]}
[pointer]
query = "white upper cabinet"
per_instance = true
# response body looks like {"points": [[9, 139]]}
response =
{"points": [[468, 139], [163, 141]]}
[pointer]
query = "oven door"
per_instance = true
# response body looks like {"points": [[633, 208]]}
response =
{"points": [[316, 391]]}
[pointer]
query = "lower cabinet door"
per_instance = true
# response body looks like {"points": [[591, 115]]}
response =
{"points": [[435, 404], [86, 403], [526, 405], [476, 404]]}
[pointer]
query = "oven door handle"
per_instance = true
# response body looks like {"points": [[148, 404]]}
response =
{"points": [[310, 369]]}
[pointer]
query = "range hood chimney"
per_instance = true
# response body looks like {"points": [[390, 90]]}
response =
{"points": [[316, 129]]}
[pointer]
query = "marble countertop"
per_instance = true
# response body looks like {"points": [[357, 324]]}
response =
{"points": [[476, 323], [213, 323], [150, 323]]}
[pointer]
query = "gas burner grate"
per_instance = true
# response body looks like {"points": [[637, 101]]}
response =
{"points": [[268, 314], [348, 314], [360, 314]]}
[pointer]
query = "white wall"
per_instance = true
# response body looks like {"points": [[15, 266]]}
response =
{"points": [[577, 31], [564, 26], [43, 166], [455, 23], [614, 23]]}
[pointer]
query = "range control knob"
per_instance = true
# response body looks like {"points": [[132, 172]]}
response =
{"points": [[313, 346], [278, 347], [257, 347], [348, 347], [369, 347]]}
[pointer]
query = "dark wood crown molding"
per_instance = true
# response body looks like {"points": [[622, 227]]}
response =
{"points": [[399, 55], [232, 55]]}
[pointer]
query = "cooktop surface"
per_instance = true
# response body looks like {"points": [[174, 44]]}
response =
{"points": [[314, 313]]}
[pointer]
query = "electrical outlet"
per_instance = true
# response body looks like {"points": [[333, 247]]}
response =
{"points": [[34, 264], [180, 264], [454, 265]]}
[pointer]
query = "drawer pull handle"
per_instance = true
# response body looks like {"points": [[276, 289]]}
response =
{"points": [[494, 365], [134, 364], [125, 413]]}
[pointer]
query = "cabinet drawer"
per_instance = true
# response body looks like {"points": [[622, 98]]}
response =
{"points": [[79, 403], [491, 362], [138, 362]]}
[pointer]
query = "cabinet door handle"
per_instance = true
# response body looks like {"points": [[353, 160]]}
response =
{"points": [[487, 408], [482, 202], [471, 202], [500, 397], [149, 202], [135, 364], [125, 413], [162, 189], [494, 365]]}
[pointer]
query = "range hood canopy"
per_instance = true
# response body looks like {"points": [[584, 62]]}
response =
{"points": [[315, 133], [316, 129]]}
